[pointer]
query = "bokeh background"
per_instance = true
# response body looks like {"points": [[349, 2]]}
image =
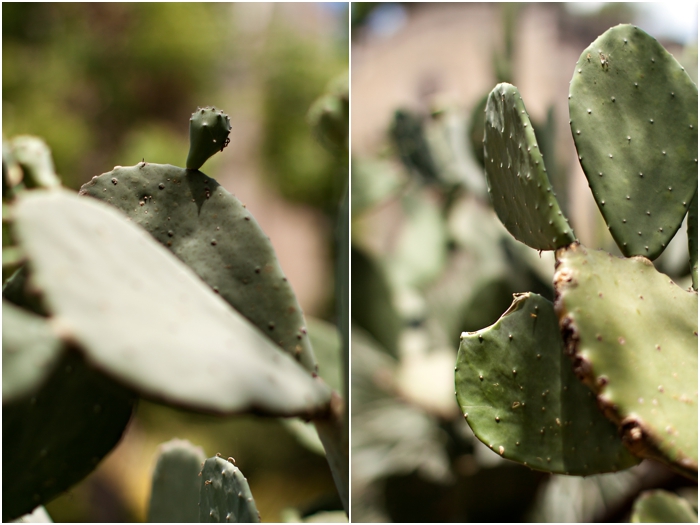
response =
{"points": [[430, 259], [108, 84]]}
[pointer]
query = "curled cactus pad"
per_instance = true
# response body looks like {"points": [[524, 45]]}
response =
{"points": [[517, 178], [517, 390], [634, 118], [633, 334], [209, 130], [225, 496]]}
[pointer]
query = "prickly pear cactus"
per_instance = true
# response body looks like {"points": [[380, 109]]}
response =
{"points": [[142, 328], [517, 180], [212, 232], [517, 391], [209, 131], [175, 484], [225, 495], [634, 119], [633, 334]]}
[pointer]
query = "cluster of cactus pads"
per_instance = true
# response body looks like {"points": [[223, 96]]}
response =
{"points": [[98, 312], [188, 488], [607, 374]]}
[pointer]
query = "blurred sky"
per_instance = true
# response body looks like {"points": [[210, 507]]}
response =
{"points": [[673, 20], [677, 21]]}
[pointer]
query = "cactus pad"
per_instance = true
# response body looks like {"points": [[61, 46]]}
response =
{"points": [[634, 120], [661, 506], [29, 351], [146, 319], [209, 130], [693, 239], [175, 486], [57, 436], [212, 232], [34, 157], [225, 495], [517, 180], [633, 334], [517, 391]]}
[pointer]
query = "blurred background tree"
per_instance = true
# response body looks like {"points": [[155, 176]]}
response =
{"points": [[110, 84]]}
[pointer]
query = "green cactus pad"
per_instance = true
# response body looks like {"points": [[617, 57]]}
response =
{"points": [[175, 485], [145, 318], [661, 506], [693, 239], [517, 391], [209, 130], [225, 495], [34, 157], [517, 180], [329, 115], [634, 119], [57, 436], [212, 232], [634, 337], [29, 351]]}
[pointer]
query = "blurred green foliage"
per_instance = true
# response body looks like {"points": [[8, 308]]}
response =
{"points": [[108, 84], [81, 75], [297, 70]]}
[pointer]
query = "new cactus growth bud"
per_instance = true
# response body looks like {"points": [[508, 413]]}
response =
{"points": [[225, 496], [209, 130]]}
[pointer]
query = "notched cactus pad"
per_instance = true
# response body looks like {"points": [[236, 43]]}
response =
{"points": [[212, 232], [175, 484], [209, 130], [634, 336], [517, 390], [517, 180], [144, 318], [225, 495], [634, 119]]}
